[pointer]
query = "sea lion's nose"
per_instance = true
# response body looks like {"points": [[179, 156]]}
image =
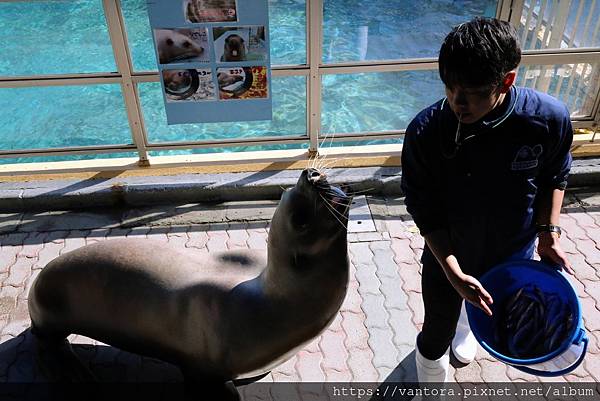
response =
{"points": [[313, 175]]}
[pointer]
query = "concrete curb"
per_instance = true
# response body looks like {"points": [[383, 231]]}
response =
{"points": [[197, 188]]}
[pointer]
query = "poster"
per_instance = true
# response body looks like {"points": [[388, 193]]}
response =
{"points": [[213, 58]]}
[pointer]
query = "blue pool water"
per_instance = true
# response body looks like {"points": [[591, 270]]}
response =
{"points": [[66, 36]]}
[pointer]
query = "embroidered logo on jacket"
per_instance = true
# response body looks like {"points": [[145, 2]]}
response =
{"points": [[527, 157]]}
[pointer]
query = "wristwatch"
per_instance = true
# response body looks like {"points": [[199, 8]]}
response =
{"points": [[548, 228]]}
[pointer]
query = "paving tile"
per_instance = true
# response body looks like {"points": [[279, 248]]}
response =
{"points": [[492, 371], [50, 251], [415, 304], [19, 272], [583, 270], [97, 235], [591, 315], [357, 335], [138, 232], [383, 257], [579, 286], [28, 283], [237, 239], [588, 248], [257, 239], [177, 239], [155, 233], [411, 278], [217, 240], [568, 245], [75, 240], [32, 245], [8, 257], [469, 373], [286, 372], [375, 313], [405, 332], [417, 242], [309, 366], [572, 229], [593, 288], [403, 253], [353, 299], [394, 296], [592, 366], [197, 239], [334, 351], [584, 220], [385, 353], [360, 363], [398, 228]]}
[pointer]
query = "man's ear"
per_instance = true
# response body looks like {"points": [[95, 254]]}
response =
{"points": [[508, 81]]}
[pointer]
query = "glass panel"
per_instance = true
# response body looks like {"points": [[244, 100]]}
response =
{"points": [[54, 37], [43, 159], [229, 149], [576, 85], [356, 30], [548, 24], [287, 22], [62, 116], [372, 102], [289, 116]]}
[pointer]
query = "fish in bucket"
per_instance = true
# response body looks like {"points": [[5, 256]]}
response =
{"points": [[536, 324]]}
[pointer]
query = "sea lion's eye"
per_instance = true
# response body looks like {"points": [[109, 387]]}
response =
{"points": [[169, 42], [187, 45]]}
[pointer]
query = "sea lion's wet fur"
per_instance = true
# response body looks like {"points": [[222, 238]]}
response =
{"points": [[228, 315]]}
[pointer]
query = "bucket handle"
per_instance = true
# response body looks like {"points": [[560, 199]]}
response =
{"points": [[535, 372]]}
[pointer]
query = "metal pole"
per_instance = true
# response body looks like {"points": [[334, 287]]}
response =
{"points": [[314, 13], [118, 38]]}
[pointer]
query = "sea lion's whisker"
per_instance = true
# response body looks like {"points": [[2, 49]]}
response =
{"points": [[339, 203], [351, 193], [332, 211], [327, 201]]}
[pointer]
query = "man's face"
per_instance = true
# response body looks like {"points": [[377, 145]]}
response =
{"points": [[470, 104]]}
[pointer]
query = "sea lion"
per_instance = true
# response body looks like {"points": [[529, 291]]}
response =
{"points": [[219, 317], [234, 49], [175, 46], [226, 79]]}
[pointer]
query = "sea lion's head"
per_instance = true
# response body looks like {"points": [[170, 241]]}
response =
{"points": [[176, 46], [311, 215]]}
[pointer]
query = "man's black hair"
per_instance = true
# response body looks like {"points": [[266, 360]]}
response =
{"points": [[478, 53]]}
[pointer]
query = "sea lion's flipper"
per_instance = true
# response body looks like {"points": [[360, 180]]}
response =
{"points": [[57, 362], [249, 380]]}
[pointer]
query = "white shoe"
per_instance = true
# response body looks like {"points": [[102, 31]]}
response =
{"points": [[464, 343], [432, 370]]}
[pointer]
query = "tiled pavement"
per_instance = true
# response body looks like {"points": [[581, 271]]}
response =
{"points": [[371, 340]]}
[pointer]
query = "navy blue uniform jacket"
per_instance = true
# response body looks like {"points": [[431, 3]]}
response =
{"points": [[484, 191]]}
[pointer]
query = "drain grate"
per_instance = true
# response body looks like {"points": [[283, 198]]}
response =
{"points": [[360, 219]]}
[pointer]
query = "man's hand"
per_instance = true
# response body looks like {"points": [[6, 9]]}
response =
{"points": [[472, 291], [550, 251]]}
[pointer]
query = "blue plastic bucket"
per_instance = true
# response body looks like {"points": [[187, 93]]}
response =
{"points": [[504, 280]]}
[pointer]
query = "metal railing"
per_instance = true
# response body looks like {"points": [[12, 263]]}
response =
{"points": [[520, 12]]}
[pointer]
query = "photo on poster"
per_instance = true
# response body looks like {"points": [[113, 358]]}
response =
{"points": [[243, 43], [188, 85], [210, 10], [242, 83], [182, 45]]}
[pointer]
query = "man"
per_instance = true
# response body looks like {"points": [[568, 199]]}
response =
{"points": [[483, 170]]}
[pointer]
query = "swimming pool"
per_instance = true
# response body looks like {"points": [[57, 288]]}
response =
{"points": [[55, 37]]}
